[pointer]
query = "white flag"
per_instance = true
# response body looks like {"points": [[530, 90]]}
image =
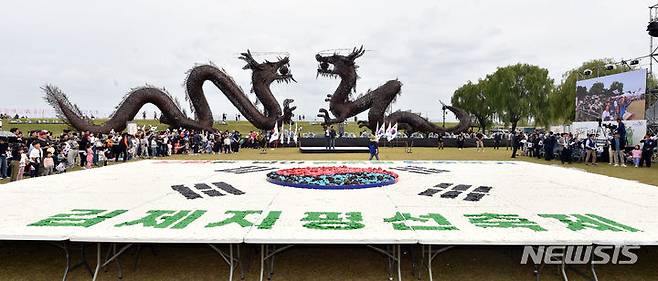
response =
{"points": [[294, 137], [386, 129], [288, 134], [275, 133], [392, 132], [380, 131]]}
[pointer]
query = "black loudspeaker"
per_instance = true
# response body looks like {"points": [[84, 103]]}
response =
{"points": [[652, 28]]}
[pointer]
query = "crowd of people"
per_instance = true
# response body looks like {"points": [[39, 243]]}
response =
{"points": [[569, 148], [40, 153]]}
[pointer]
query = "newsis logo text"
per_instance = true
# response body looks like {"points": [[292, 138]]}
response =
{"points": [[596, 254]]}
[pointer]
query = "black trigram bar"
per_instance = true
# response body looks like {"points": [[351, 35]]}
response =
{"points": [[461, 187], [420, 170], [451, 194], [202, 186], [186, 191], [474, 196], [439, 187], [208, 190], [483, 189], [228, 188], [430, 192], [246, 169], [443, 185], [213, 193], [478, 193]]}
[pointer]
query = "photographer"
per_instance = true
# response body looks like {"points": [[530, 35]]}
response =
{"points": [[621, 130], [590, 147]]}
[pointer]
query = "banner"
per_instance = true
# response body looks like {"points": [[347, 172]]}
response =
{"points": [[609, 97], [635, 129]]}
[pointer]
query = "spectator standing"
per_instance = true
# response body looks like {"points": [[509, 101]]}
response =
{"points": [[122, 148], [440, 140], [590, 147], [637, 155], [327, 137], [4, 153], [621, 129], [497, 138], [15, 161], [36, 159], [48, 165], [549, 146], [479, 141], [566, 143], [373, 147], [516, 142], [617, 151], [460, 141], [332, 138], [648, 144]]}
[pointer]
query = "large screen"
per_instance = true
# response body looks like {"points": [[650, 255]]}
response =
{"points": [[611, 97]]}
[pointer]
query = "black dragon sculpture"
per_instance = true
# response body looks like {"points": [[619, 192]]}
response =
{"points": [[377, 100], [262, 76]]}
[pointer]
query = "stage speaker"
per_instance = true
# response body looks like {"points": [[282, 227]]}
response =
{"points": [[652, 28]]}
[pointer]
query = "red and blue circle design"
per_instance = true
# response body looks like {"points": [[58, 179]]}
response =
{"points": [[341, 177]]}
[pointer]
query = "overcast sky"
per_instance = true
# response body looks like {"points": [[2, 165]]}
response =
{"points": [[97, 50]]}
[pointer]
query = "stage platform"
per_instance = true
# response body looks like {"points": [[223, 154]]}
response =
{"points": [[440, 204], [433, 202], [342, 149]]}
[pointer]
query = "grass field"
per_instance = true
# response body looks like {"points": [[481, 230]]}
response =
{"points": [[40, 261]]}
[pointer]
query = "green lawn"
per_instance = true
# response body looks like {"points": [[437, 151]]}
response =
{"points": [[644, 175]]}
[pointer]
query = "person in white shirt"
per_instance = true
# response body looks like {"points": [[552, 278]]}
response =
{"points": [[36, 158]]}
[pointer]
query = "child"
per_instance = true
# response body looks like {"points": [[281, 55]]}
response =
{"points": [[48, 164], [90, 157], [22, 164], [637, 155]]}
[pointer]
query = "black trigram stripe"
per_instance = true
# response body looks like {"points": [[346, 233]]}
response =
{"points": [[438, 188], [451, 194], [461, 187], [419, 170], [246, 169], [430, 192], [202, 186], [474, 196], [213, 193], [228, 188], [443, 185], [483, 189], [186, 191]]}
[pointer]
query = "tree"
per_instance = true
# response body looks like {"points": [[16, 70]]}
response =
{"points": [[519, 92], [474, 100]]}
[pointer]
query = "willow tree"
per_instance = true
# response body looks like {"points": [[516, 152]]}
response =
{"points": [[472, 98], [520, 92]]}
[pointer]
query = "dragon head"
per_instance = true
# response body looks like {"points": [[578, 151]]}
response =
{"points": [[268, 72], [339, 65]]}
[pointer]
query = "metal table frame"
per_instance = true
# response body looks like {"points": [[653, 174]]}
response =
{"points": [[269, 251], [114, 252]]}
